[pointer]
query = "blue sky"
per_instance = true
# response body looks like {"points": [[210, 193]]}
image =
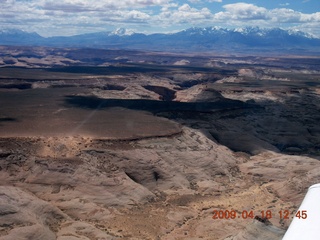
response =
{"points": [[70, 17]]}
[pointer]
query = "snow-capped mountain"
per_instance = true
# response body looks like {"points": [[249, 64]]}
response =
{"points": [[122, 32], [300, 33], [16, 37], [192, 39]]}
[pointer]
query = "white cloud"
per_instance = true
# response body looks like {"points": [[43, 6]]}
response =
{"points": [[70, 16], [282, 15], [242, 11], [96, 5], [183, 15], [246, 13], [313, 28]]}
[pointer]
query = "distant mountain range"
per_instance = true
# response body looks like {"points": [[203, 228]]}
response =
{"points": [[192, 39]]}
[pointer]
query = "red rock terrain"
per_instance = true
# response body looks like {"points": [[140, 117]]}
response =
{"points": [[104, 156]]}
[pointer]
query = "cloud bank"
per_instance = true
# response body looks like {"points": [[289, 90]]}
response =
{"points": [[68, 17]]}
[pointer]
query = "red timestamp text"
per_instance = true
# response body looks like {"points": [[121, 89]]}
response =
{"points": [[268, 214]]}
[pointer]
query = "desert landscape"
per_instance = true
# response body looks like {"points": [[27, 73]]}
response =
{"points": [[112, 144]]}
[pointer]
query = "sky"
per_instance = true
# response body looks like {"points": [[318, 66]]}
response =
{"points": [[71, 17]]}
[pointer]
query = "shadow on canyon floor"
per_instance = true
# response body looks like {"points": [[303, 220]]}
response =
{"points": [[289, 126], [153, 106]]}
